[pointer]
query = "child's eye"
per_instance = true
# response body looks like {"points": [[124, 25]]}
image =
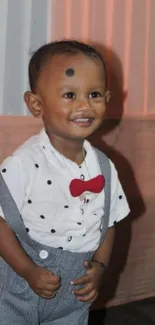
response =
{"points": [[69, 95], [95, 94]]}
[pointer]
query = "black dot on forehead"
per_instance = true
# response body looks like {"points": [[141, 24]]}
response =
{"points": [[70, 72]]}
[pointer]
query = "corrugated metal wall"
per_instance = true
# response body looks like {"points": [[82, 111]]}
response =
{"points": [[124, 29], [23, 28], [125, 26]]}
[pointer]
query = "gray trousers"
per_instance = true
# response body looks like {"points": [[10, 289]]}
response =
{"points": [[19, 305]]}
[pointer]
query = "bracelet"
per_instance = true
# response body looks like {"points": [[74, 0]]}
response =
{"points": [[100, 263]]}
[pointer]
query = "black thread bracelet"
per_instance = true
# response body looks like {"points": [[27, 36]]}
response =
{"points": [[100, 263]]}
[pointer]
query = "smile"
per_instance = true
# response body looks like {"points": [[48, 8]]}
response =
{"points": [[84, 121]]}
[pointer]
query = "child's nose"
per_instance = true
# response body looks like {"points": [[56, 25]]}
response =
{"points": [[83, 105]]}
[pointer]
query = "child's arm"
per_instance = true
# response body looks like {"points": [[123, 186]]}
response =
{"points": [[94, 275], [12, 251], [119, 209], [42, 281], [103, 253]]}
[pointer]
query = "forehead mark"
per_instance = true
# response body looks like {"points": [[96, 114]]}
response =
{"points": [[70, 72]]}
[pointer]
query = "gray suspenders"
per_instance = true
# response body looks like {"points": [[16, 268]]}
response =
{"points": [[15, 221], [9, 207], [106, 172]]}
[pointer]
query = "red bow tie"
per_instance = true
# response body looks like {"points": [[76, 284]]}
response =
{"points": [[95, 185]]}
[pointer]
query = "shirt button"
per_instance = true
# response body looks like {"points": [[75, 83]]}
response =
{"points": [[43, 254], [82, 211], [82, 177], [69, 238]]}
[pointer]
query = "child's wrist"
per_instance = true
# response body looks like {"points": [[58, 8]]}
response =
{"points": [[27, 270], [101, 264]]}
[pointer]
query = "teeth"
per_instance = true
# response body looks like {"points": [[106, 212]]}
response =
{"points": [[82, 119]]}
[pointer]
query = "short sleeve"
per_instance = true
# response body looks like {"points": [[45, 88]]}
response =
{"points": [[119, 206], [14, 176]]}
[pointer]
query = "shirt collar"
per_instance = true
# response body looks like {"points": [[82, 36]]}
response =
{"points": [[45, 143]]}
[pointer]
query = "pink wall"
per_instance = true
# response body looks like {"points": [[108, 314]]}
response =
{"points": [[126, 29]]}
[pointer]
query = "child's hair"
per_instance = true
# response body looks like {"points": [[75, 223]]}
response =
{"points": [[63, 47]]}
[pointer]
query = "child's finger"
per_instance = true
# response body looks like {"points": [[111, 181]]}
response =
{"points": [[84, 291], [90, 297], [51, 287], [82, 280], [54, 279], [47, 294], [87, 265]]}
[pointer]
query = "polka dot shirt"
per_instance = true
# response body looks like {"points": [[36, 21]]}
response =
{"points": [[38, 178]]}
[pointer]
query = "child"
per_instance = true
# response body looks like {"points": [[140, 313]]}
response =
{"points": [[57, 223]]}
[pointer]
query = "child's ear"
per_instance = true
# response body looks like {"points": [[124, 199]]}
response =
{"points": [[107, 96], [34, 104]]}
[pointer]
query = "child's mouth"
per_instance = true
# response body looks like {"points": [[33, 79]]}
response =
{"points": [[84, 122]]}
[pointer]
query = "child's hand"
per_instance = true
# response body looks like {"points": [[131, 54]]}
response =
{"points": [[91, 281], [43, 282]]}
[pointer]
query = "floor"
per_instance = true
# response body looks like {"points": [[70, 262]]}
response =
{"points": [[136, 313]]}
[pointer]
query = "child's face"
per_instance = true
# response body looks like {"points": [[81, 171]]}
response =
{"points": [[70, 96]]}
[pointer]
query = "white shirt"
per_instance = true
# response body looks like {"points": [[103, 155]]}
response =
{"points": [[38, 178]]}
